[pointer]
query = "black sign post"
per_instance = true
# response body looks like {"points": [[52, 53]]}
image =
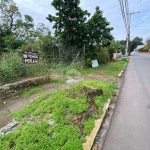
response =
{"points": [[30, 57]]}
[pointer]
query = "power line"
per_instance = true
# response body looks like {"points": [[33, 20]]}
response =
{"points": [[124, 5], [122, 22], [124, 11]]}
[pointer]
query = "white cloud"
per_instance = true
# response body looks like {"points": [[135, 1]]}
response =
{"points": [[39, 10]]}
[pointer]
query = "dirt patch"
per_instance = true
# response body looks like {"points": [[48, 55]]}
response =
{"points": [[92, 109], [18, 103]]}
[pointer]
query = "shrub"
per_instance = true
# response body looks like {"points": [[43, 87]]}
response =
{"points": [[12, 68], [103, 56]]}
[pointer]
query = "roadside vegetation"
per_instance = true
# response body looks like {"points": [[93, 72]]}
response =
{"points": [[31, 92], [62, 119], [59, 120], [19, 33], [12, 68]]}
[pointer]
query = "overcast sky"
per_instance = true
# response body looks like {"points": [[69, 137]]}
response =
{"points": [[140, 22]]}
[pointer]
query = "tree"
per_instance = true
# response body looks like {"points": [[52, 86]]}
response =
{"points": [[25, 29], [116, 47], [9, 14], [123, 42], [69, 21], [98, 33], [134, 43], [148, 43], [71, 26], [42, 30], [49, 48], [9, 18], [8, 11], [15, 31], [98, 29], [123, 46], [146, 48]]}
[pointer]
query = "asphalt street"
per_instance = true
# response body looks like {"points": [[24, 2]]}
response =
{"points": [[130, 125]]}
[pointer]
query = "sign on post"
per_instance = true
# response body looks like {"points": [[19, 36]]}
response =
{"points": [[95, 63], [30, 57]]}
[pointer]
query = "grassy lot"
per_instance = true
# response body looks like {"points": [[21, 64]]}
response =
{"points": [[61, 120], [111, 68]]}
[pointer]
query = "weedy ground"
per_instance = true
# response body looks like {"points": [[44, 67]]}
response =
{"points": [[60, 120]]}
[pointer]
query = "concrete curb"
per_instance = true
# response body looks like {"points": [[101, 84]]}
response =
{"points": [[120, 74], [90, 139], [101, 135]]}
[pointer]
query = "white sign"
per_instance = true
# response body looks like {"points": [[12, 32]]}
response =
{"points": [[95, 63]]}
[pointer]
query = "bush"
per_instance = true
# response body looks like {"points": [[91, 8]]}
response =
{"points": [[103, 56], [12, 68]]}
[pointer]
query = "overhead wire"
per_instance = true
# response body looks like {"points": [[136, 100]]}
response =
{"points": [[124, 14], [122, 23]]}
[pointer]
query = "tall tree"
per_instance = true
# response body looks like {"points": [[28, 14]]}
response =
{"points": [[42, 30], [98, 33], [69, 21], [15, 31], [99, 30], [134, 43], [25, 29], [9, 14]]}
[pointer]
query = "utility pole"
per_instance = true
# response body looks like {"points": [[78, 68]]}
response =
{"points": [[128, 32]]}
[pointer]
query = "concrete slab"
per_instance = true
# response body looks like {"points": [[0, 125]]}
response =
{"points": [[33, 97], [4, 116], [16, 104]]}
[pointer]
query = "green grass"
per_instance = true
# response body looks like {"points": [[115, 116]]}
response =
{"points": [[49, 124], [112, 68], [31, 92], [58, 80], [116, 68], [88, 126], [11, 72], [46, 123]]}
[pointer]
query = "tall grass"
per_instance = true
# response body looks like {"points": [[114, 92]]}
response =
{"points": [[12, 68]]}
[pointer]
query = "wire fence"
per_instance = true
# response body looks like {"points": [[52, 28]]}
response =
{"points": [[64, 54]]}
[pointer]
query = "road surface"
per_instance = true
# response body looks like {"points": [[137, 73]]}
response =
{"points": [[130, 125]]}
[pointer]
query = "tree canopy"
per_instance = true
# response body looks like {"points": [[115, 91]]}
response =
{"points": [[15, 29], [69, 22], [98, 29], [73, 27], [134, 43]]}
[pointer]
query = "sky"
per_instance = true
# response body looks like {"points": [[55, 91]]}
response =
{"points": [[140, 22]]}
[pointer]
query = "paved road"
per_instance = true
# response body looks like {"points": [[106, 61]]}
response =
{"points": [[130, 126]]}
